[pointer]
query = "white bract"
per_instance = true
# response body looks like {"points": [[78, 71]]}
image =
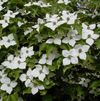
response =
{"points": [[71, 38], [40, 72], [70, 57], [8, 41], [7, 85], [29, 30], [81, 51]]}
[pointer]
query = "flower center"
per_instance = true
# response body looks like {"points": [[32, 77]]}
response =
{"points": [[80, 50]]}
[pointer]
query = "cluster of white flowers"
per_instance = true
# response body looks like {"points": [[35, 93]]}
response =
{"points": [[8, 41], [6, 83], [39, 72], [64, 1], [18, 61], [39, 3], [10, 14], [54, 21]]}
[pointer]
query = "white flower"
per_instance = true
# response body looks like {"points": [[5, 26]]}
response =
{"points": [[35, 89], [40, 72], [8, 41], [19, 62], [41, 4], [27, 78], [29, 30], [4, 22], [8, 85], [69, 18], [70, 57], [10, 14], [9, 62], [89, 36], [53, 21], [56, 41], [27, 52], [81, 51], [71, 38]]}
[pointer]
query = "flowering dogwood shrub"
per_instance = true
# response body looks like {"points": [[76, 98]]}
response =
{"points": [[49, 44]]}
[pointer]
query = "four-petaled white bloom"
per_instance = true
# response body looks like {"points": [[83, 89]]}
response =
{"points": [[69, 18], [8, 41], [4, 22], [27, 52], [81, 51], [70, 57], [7, 85], [71, 38], [88, 33], [40, 72], [9, 62]]}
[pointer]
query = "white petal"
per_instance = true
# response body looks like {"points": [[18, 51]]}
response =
{"points": [[42, 61], [49, 41], [22, 65], [41, 77], [74, 60], [45, 70], [90, 41], [9, 90], [34, 90], [3, 87], [57, 41], [13, 84], [65, 40], [66, 61], [95, 36], [72, 42], [35, 73], [85, 48], [65, 53], [22, 77], [82, 56], [41, 87], [92, 26]]}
